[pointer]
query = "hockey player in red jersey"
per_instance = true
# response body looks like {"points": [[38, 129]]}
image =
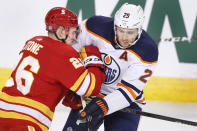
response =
{"points": [[48, 70], [130, 56]]}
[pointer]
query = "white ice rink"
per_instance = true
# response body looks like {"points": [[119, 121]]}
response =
{"points": [[187, 111]]}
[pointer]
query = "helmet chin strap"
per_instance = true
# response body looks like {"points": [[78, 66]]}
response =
{"points": [[62, 40]]}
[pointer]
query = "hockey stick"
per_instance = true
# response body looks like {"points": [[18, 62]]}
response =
{"points": [[147, 114], [87, 121]]}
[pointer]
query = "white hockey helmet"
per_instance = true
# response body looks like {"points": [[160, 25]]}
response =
{"points": [[130, 16]]}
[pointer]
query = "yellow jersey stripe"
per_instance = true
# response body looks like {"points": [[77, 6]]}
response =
{"points": [[31, 128], [83, 53], [28, 102], [27, 111], [92, 86], [15, 115], [79, 81]]}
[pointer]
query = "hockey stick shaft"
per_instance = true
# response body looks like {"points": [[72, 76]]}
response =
{"points": [[88, 120], [167, 118]]}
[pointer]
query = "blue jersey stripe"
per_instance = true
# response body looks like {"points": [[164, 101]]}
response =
{"points": [[131, 86], [125, 95]]}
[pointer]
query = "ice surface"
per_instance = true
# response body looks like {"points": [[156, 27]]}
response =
{"points": [[187, 111]]}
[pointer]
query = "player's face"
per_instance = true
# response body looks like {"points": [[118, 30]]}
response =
{"points": [[126, 36], [72, 35]]}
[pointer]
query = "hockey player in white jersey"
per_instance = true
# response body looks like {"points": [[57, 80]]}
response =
{"points": [[130, 56]]}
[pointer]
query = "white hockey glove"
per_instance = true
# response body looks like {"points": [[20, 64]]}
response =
{"points": [[91, 57]]}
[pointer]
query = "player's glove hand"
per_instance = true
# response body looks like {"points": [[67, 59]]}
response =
{"points": [[72, 100], [91, 57], [93, 114]]}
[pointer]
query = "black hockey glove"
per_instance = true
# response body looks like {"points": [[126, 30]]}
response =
{"points": [[93, 115]]}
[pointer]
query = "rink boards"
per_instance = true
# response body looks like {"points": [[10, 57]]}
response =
{"points": [[158, 88]]}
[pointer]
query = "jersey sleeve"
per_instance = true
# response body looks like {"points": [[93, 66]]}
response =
{"points": [[73, 75], [134, 81], [130, 88]]}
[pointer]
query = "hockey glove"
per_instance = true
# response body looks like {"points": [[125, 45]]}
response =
{"points": [[91, 57], [72, 100], [93, 114]]}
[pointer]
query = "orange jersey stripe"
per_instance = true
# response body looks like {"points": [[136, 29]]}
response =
{"points": [[111, 43], [129, 89], [100, 95], [141, 58], [141, 100]]}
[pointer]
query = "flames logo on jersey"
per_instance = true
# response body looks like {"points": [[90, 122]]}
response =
{"points": [[112, 70]]}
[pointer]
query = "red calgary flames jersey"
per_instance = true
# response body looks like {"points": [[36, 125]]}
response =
{"points": [[46, 71]]}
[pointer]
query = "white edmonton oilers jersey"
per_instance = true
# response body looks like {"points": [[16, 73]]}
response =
{"points": [[128, 70]]}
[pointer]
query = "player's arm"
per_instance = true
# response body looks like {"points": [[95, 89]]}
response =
{"points": [[91, 59], [130, 90], [83, 80]]}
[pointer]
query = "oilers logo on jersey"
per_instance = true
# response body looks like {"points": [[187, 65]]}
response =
{"points": [[112, 70]]}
